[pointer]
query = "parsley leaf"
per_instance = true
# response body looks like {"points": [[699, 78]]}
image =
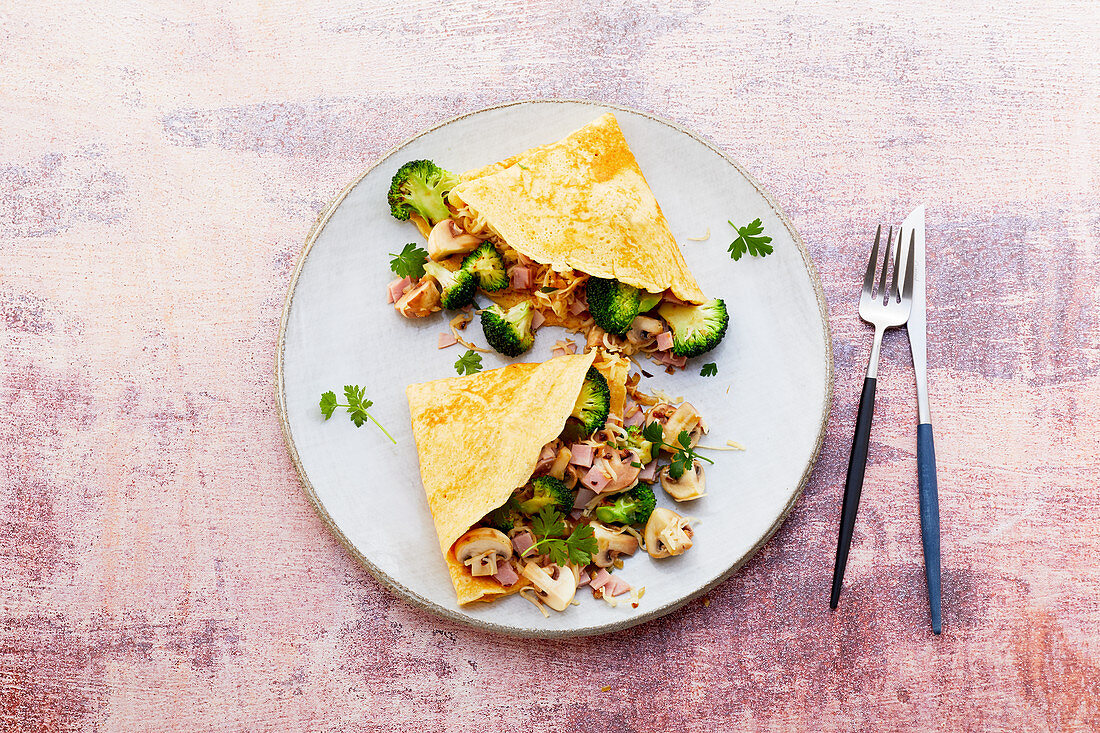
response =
{"points": [[410, 263], [709, 369], [328, 404], [548, 523], [357, 406], [683, 455], [749, 239], [547, 289], [654, 433], [468, 363], [582, 544], [578, 548]]}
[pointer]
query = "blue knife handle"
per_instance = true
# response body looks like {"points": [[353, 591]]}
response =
{"points": [[929, 518]]}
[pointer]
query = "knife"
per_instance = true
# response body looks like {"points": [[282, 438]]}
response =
{"points": [[916, 328]]}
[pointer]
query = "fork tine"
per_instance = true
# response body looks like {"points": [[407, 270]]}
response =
{"points": [[894, 293], [885, 266], [907, 289], [869, 278]]}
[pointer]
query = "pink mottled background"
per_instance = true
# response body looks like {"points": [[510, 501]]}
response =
{"points": [[160, 165]]}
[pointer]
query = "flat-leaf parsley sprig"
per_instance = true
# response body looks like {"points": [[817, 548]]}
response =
{"points": [[578, 547], [683, 455], [749, 240], [409, 262], [468, 363], [357, 407], [709, 369]]}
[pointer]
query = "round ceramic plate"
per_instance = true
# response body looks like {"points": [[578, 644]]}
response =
{"points": [[771, 393]]}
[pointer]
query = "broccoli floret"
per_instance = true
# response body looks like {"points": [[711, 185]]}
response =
{"points": [[695, 328], [635, 439], [488, 266], [456, 288], [633, 507], [505, 517], [547, 491], [418, 187], [648, 301], [593, 403], [613, 304], [509, 332]]}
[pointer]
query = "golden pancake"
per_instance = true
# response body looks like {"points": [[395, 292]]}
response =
{"points": [[581, 203]]}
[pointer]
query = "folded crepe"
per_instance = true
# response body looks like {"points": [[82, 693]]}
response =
{"points": [[479, 438], [581, 203]]}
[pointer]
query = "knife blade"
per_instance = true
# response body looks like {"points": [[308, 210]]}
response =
{"points": [[917, 330]]}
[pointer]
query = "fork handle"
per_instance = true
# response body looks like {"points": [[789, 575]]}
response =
{"points": [[853, 486], [929, 518]]}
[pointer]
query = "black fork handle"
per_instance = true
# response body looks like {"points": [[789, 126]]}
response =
{"points": [[853, 486]]}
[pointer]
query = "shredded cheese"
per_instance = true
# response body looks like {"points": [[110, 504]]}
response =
{"points": [[534, 599], [703, 238]]}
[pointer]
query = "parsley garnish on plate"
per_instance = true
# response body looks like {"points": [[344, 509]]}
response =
{"points": [[709, 370], [468, 363], [749, 240], [357, 407], [683, 455], [410, 262], [578, 547]]}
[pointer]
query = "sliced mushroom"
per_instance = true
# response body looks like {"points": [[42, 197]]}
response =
{"points": [[554, 585], [447, 239], [611, 544], [561, 462], [421, 301], [667, 533], [691, 485], [480, 549], [675, 421], [643, 328]]}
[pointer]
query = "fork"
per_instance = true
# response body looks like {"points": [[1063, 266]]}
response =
{"points": [[883, 310]]}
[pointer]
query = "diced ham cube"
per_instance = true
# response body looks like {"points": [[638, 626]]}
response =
{"points": [[595, 479], [520, 278], [557, 352], [664, 340], [638, 418], [583, 497], [600, 579], [577, 307], [506, 574], [396, 289], [616, 586], [537, 319], [664, 357], [582, 454], [576, 515], [649, 473], [522, 542], [446, 339]]}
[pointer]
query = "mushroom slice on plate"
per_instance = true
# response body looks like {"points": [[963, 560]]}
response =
{"points": [[611, 544], [420, 301], [447, 239], [554, 585], [667, 533], [691, 485], [684, 417], [481, 549]]}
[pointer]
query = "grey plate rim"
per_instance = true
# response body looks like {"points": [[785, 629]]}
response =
{"points": [[425, 604]]}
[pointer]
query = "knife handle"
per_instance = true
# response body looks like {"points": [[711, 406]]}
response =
{"points": [[853, 486], [929, 518]]}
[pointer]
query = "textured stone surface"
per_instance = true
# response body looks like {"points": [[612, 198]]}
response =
{"points": [[159, 170]]}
